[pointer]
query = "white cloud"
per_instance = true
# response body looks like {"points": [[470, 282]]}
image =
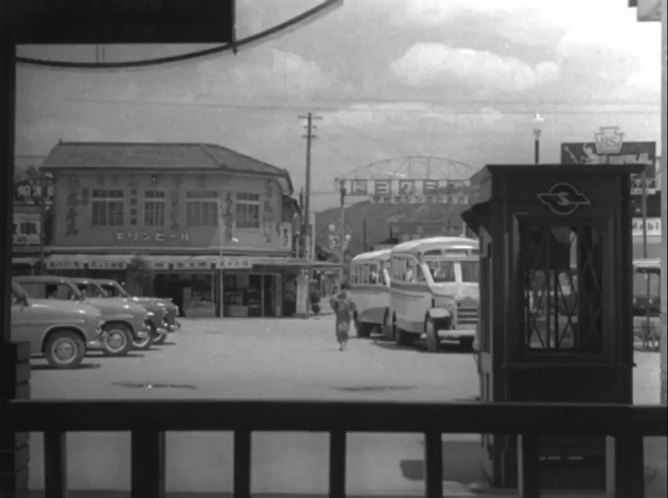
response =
{"points": [[425, 64], [297, 72], [394, 113], [564, 13]]}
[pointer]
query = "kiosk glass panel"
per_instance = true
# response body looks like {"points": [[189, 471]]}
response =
{"points": [[562, 288]]}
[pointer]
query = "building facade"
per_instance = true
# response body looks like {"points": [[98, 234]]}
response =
{"points": [[213, 226], [32, 200]]}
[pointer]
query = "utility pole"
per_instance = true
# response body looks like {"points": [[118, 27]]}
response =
{"points": [[342, 229], [306, 226], [43, 193]]}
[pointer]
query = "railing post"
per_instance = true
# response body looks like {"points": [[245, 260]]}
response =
{"points": [[337, 464], [433, 464], [528, 465], [14, 446], [148, 464], [242, 463], [55, 464], [629, 466]]}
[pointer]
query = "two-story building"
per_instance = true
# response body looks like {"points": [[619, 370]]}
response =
{"points": [[214, 226]]}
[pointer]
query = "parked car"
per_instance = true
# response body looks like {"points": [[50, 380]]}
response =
{"points": [[113, 288], [155, 323], [60, 331], [124, 322]]}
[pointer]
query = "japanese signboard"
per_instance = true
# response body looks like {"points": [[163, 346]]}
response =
{"points": [[411, 191], [653, 227], [26, 229], [608, 148], [235, 262], [149, 238]]}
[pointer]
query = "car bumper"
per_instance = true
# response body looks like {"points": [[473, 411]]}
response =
{"points": [[172, 327]]}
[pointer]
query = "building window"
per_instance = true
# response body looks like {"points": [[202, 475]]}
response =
{"points": [[248, 210], [154, 208], [107, 207], [202, 208]]}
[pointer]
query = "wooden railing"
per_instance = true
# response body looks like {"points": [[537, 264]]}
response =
{"points": [[147, 422]]}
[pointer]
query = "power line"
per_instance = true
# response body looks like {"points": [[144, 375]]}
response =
{"points": [[527, 107]]}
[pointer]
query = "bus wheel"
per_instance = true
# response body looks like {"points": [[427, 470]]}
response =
{"points": [[401, 337], [363, 329], [433, 342]]}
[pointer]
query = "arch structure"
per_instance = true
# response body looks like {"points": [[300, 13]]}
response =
{"points": [[411, 180]]}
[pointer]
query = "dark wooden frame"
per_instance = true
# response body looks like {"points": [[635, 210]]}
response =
{"points": [[147, 421]]}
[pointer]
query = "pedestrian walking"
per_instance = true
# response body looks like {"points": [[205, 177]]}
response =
{"points": [[344, 310]]}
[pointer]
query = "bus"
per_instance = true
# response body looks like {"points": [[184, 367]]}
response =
{"points": [[434, 291], [647, 301], [370, 291]]}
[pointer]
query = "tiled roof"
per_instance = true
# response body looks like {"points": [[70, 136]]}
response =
{"points": [[139, 155]]}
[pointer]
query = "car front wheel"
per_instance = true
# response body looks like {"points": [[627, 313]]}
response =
{"points": [[145, 342], [117, 339], [64, 349]]}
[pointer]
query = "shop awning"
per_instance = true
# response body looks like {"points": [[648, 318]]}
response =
{"points": [[88, 261], [25, 261], [175, 263], [291, 262]]}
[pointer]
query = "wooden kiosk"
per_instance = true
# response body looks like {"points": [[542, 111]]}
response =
{"points": [[555, 319]]}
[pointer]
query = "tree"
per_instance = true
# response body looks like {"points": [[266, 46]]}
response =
{"points": [[139, 276]]}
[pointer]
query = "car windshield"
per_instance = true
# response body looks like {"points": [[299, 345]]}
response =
{"points": [[441, 270], [114, 289], [90, 289]]}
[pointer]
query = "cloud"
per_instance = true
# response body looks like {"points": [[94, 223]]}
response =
{"points": [[264, 72], [425, 64], [392, 113]]}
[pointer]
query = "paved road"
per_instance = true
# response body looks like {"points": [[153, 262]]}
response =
{"points": [[285, 359]]}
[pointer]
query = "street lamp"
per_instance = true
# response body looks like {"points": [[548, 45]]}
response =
{"points": [[537, 129]]}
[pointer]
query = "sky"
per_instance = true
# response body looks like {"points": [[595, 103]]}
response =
{"points": [[457, 79]]}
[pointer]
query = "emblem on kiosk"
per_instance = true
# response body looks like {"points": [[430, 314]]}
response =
{"points": [[563, 198]]}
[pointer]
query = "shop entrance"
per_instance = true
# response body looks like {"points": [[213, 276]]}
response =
{"points": [[250, 294], [191, 292]]}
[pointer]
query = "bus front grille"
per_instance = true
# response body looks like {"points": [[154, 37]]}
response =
{"points": [[467, 315]]}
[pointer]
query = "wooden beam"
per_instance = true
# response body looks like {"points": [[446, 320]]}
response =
{"points": [[433, 464], [7, 135], [123, 21], [321, 416], [242, 463], [55, 464], [337, 464], [148, 463]]}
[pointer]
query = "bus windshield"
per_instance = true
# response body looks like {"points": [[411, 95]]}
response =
{"points": [[441, 270], [470, 271]]}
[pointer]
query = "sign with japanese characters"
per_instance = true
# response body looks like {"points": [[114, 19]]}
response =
{"points": [[107, 264], [65, 264], [150, 238], [192, 264], [653, 227], [235, 262], [409, 191]]}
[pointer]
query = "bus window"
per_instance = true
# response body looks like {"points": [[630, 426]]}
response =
{"points": [[470, 271], [373, 275], [640, 285], [442, 271]]}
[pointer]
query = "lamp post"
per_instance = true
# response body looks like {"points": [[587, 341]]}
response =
{"points": [[537, 129], [342, 193]]}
